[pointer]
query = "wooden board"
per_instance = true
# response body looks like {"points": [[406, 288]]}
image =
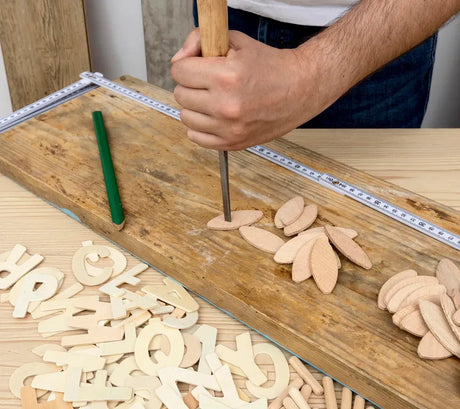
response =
{"points": [[44, 46], [170, 189]]}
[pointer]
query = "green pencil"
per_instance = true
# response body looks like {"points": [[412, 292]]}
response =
{"points": [[111, 185]]}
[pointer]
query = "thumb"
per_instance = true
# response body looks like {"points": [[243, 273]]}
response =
{"points": [[191, 47]]}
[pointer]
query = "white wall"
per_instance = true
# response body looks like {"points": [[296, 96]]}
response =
{"points": [[117, 47]]}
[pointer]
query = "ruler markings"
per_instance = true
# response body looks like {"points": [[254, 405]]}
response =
{"points": [[91, 80]]}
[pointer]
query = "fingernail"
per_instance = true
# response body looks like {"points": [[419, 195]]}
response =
{"points": [[178, 55]]}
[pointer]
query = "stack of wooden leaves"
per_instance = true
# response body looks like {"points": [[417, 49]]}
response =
{"points": [[129, 348], [310, 252], [427, 307]]}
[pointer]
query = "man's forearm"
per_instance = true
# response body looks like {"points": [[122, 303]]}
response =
{"points": [[372, 34]]}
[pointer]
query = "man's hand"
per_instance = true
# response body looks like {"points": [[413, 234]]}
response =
{"points": [[254, 94]]}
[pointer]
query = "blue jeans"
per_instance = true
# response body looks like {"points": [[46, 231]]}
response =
{"points": [[395, 96]]}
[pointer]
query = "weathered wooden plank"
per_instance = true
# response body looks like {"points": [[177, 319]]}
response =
{"points": [[44, 46], [170, 189]]}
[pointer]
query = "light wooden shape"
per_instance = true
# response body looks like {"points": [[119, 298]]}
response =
{"points": [[95, 335], [287, 252], [261, 239], [397, 299], [239, 218], [145, 387], [427, 280], [414, 324], [170, 375], [124, 346], [301, 266], [306, 391], [128, 277], [448, 307], [390, 283], [359, 402], [290, 211], [349, 248], [306, 219], [243, 358], [323, 265], [456, 317], [399, 315], [207, 336], [119, 261], [431, 293], [345, 230], [41, 350], [141, 351], [190, 319], [437, 323], [289, 403], [20, 374], [29, 400], [228, 388], [173, 293], [306, 375], [346, 400], [448, 274], [190, 401], [79, 265], [48, 287], [277, 403], [329, 393], [16, 271], [88, 362], [430, 348], [54, 381], [298, 398], [281, 372], [97, 391], [192, 350]]}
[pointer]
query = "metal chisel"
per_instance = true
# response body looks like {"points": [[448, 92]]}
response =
{"points": [[213, 22]]}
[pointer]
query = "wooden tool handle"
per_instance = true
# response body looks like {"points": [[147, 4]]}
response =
{"points": [[213, 22]]}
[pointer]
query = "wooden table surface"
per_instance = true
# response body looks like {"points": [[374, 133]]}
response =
{"points": [[24, 219]]}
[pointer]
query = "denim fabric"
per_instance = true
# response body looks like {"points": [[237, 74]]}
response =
{"points": [[396, 96]]}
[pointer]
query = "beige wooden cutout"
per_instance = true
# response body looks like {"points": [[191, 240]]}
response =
{"points": [[288, 251], [170, 375], [438, 325], [128, 277], [40, 350], [448, 307], [173, 293], [329, 393], [390, 283], [399, 315], [207, 336], [118, 308], [15, 270], [456, 317], [261, 239], [69, 292], [79, 265], [243, 358], [145, 386], [190, 401], [124, 346], [169, 398], [423, 280], [227, 385], [431, 293], [95, 335], [29, 400], [277, 403], [449, 275], [48, 287], [349, 248], [54, 381], [190, 319], [414, 324], [430, 348], [306, 375], [359, 402], [17, 378], [281, 372], [118, 258], [306, 391], [97, 391], [192, 350], [210, 402], [288, 403], [301, 266], [399, 296], [141, 351], [305, 220], [323, 265], [349, 232], [239, 218], [290, 211], [87, 362]]}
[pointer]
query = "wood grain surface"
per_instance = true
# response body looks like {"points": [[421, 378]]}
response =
{"points": [[170, 189], [44, 46]]}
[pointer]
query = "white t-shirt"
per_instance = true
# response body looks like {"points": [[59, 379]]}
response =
{"points": [[303, 12]]}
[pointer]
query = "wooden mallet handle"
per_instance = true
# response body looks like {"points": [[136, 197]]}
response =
{"points": [[213, 22]]}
